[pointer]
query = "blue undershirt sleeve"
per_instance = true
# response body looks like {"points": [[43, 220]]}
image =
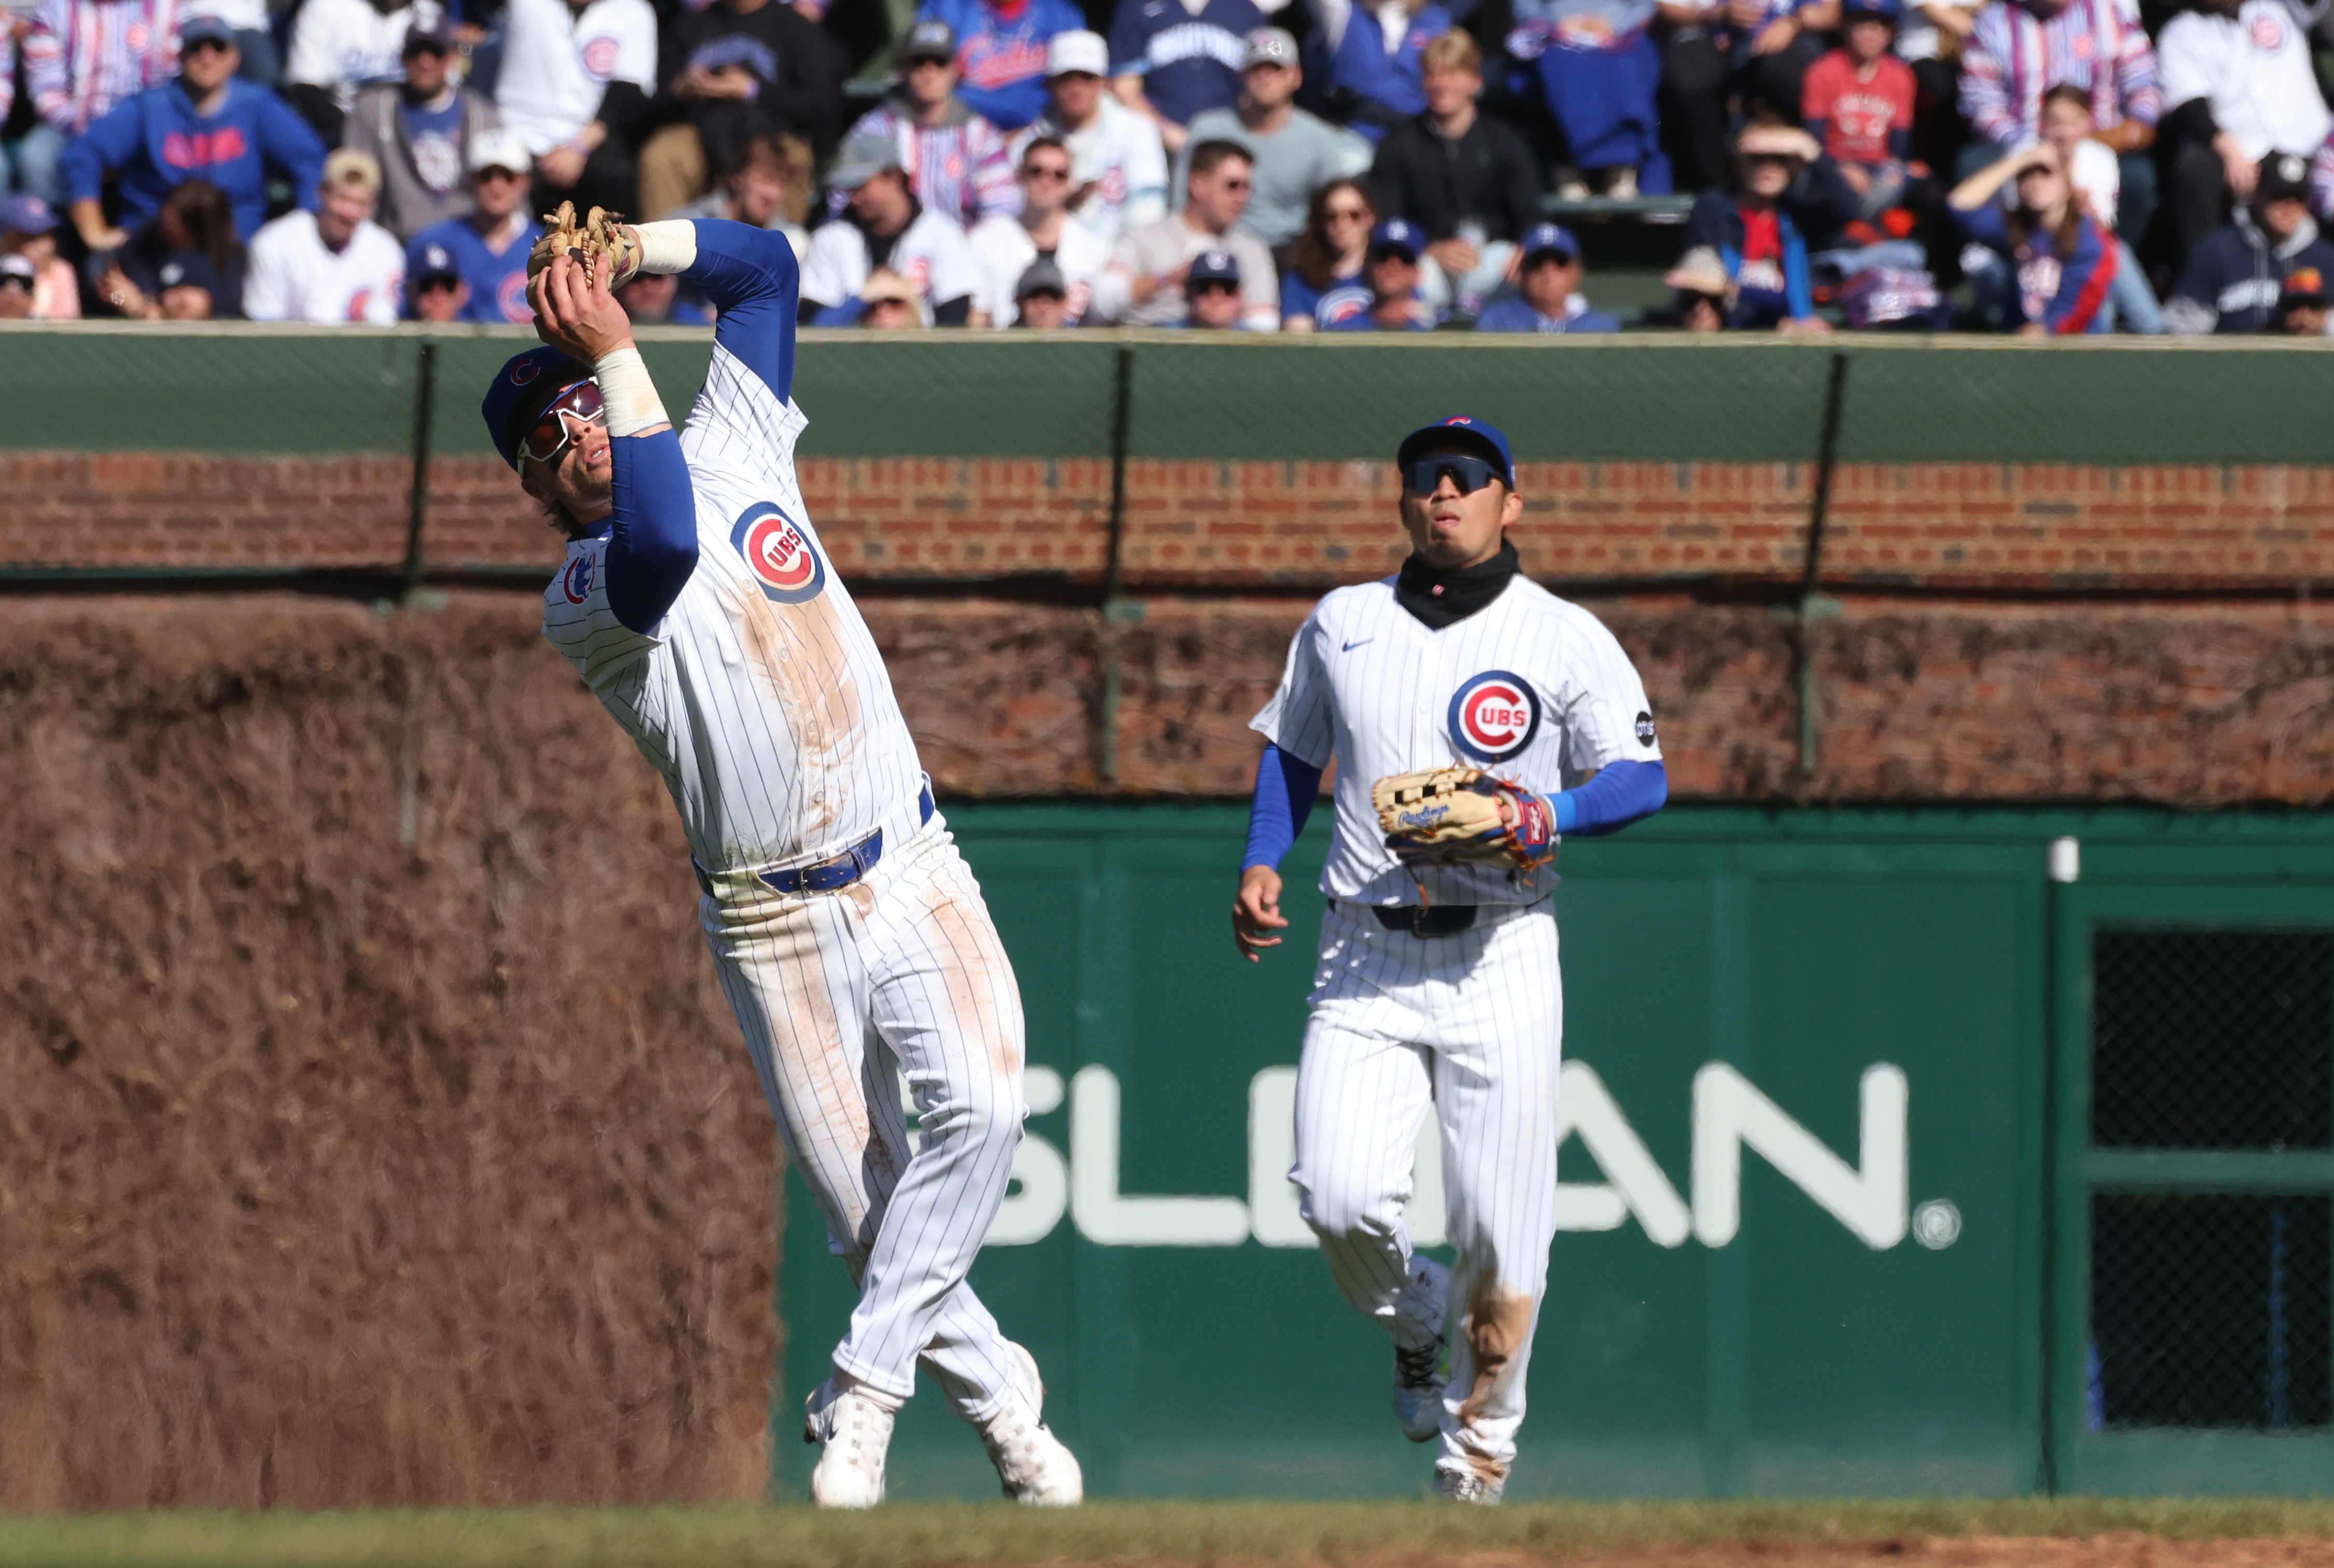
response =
{"points": [[652, 544], [1622, 793], [1285, 792], [751, 277]]}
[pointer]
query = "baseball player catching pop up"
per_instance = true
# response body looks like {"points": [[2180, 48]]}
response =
{"points": [[1457, 698], [850, 937]]}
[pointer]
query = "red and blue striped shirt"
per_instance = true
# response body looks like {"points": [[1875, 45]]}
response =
{"points": [[2019, 51]]}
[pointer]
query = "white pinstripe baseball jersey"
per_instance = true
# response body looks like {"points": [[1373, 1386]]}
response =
{"points": [[760, 696], [1532, 688]]}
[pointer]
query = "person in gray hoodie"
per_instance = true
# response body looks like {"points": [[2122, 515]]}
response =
{"points": [[419, 131]]}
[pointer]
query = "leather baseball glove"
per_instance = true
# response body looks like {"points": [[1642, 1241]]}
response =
{"points": [[1462, 815], [601, 236]]}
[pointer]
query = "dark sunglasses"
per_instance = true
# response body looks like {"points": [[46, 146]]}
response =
{"points": [[566, 415], [1470, 474]]}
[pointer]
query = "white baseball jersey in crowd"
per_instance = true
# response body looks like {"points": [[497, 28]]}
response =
{"points": [[931, 253], [1005, 251], [294, 278], [343, 44], [761, 699], [557, 63], [2252, 69], [1470, 1026]]}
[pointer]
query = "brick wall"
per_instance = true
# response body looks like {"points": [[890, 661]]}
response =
{"points": [[1236, 526]]}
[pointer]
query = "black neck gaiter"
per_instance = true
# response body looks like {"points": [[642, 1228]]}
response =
{"points": [[1439, 597]]}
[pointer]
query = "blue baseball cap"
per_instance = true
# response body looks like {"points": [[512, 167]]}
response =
{"points": [[1460, 430], [195, 30], [523, 388], [26, 213], [1398, 233], [1213, 266], [1551, 239]]}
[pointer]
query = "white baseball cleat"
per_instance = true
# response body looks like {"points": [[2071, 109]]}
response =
{"points": [[1420, 1374], [853, 1433], [1033, 1464], [1466, 1487]]}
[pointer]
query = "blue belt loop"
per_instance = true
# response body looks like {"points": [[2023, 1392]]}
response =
{"points": [[830, 876]]}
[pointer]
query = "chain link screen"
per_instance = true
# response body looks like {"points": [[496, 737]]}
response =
{"points": [[2212, 1039]]}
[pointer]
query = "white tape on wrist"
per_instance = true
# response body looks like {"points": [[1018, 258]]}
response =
{"points": [[628, 393], [668, 245]]}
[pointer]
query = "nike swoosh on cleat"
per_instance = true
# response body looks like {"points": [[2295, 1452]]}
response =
{"points": [[1351, 645]]}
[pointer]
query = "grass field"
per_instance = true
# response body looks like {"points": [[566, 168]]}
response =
{"points": [[912, 1536]]}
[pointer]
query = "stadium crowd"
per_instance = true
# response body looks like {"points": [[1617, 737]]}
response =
{"points": [[2033, 166]]}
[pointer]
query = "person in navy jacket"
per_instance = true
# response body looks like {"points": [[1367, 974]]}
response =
{"points": [[210, 124]]}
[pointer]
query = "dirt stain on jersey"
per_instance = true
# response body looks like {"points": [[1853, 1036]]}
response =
{"points": [[1497, 1324], [800, 654]]}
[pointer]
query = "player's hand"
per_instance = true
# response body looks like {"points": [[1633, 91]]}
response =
{"points": [[577, 311], [1256, 912]]}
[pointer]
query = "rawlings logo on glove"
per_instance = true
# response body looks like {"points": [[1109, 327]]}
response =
{"points": [[1464, 817], [602, 236]]}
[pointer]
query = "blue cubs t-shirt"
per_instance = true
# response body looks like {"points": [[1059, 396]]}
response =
{"points": [[1346, 295], [435, 135], [1188, 61], [497, 280]]}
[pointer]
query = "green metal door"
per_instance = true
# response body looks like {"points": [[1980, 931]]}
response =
{"points": [[2192, 1350]]}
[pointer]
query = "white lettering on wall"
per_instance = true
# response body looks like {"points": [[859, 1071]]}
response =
{"points": [[1868, 1198]]}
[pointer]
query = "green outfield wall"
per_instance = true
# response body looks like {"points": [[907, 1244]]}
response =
{"points": [[238, 389], [1828, 1189]]}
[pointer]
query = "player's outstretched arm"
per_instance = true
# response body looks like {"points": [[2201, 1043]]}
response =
{"points": [[1285, 790], [1622, 793], [653, 538], [752, 279]]}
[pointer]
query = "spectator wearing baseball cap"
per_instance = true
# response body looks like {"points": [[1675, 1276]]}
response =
{"points": [[1549, 299], [331, 266], [1293, 153], [82, 59], [1212, 293], [1597, 70], [1171, 59], [435, 290], [1041, 297], [2239, 84], [489, 245], [2302, 302], [1466, 179], [420, 132], [956, 160], [1118, 167], [1042, 230], [1392, 272], [339, 47], [1761, 231], [2234, 281], [1003, 51], [28, 229], [734, 72], [888, 302], [207, 125], [886, 229], [1148, 268], [1856, 101]]}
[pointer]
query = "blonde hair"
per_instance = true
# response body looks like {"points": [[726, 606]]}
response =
{"points": [[352, 166], [1453, 50]]}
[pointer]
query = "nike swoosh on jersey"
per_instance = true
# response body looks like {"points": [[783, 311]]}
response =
{"points": [[1351, 645]]}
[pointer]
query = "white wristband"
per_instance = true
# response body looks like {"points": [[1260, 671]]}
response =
{"points": [[628, 393], [668, 247]]}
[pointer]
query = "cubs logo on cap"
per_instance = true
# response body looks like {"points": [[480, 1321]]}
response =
{"points": [[1494, 716], [1461, 430], [521, 391], [523, 370], [779, 553]]}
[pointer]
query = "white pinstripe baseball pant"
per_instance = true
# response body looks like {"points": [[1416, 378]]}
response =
{"points": [[840, 992], [1472, 1026]]}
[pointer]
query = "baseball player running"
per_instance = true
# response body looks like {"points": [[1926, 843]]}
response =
{"points": [[850, 937], [1458, 698]]}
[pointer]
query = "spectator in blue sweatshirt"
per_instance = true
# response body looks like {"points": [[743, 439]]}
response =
{"points": [[1000, 52], [209, 124], [1549, 299]]}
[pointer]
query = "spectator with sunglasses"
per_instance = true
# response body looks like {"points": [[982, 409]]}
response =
{"points": [[1144, 286], [1213, 291], [491, 245], [1395, 247], [1008, 246], [1551, 300], [207, 125], [421, 131], [1325, 284]]}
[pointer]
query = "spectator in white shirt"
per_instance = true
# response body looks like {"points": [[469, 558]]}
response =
{"points": [[1007, 246], [341, 46], [331, 265], [2237, 85], [1118, 164], [574, 82], [886, 229]]}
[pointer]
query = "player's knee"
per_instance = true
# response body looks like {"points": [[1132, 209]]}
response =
{"points": [[988, 1122], [1349, 1211]]}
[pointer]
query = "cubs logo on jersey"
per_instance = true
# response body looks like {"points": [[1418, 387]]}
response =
{"points": [[779, 552], [575, 582], [2267, 35], [1494, 716], [600, 57]]}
